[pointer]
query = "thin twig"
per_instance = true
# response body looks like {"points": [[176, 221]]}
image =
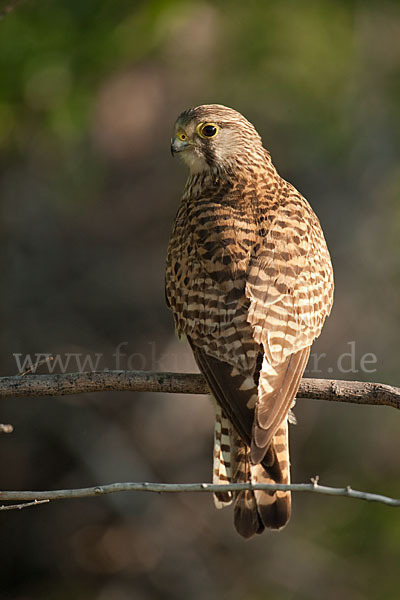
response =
{"points": [[34, 368], [112, 488], [23, 505], [62, 384]]}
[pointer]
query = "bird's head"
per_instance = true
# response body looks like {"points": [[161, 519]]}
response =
{"points": [[215, 137]]}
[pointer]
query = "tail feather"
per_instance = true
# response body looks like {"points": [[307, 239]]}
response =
{"points": [[275, 507], [247, 519], [258, 509], [222, 457]]}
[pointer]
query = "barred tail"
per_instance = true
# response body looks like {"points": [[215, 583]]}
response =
{"points": [[222, 456], [253, 510], [256, 510]]}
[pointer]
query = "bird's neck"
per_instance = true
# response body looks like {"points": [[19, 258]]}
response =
{"points": [[215, 175]]}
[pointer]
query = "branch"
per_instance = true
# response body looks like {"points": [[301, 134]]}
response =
{"points": [[187, 383], [23, 505], [34, 367], [184, 383], [35, 497]]}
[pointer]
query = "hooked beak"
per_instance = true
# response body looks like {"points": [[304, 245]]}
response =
{"points": [[178, 145]]}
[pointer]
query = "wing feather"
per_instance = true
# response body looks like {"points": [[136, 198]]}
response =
{"points": [[276, 393]]}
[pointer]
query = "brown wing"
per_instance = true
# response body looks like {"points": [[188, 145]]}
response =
{"points": [[252, 289], [289, 281], [237, 394], [290, 287], [234, 391], [276, 393]]}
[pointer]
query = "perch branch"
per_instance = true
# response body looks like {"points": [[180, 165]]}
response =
{"points": [[184, 383], [100, 490]]}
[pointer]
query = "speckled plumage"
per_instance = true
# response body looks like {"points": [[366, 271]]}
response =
{"points": [[249, 281]]}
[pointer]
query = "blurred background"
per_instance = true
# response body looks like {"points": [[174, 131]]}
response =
{"points": [[89, 92]]}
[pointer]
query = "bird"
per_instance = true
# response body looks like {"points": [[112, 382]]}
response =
{"points": [[250, 283]]}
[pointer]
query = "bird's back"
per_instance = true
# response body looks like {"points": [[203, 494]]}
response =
{"points": [[249, 281]]}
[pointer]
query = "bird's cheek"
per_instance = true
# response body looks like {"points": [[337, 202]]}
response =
{"points": [[194, 159]]}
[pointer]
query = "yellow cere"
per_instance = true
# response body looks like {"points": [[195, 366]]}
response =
{"points": [[182, 135]]}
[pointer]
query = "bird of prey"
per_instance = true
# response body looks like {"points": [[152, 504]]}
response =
{"points": [[249, 281]]}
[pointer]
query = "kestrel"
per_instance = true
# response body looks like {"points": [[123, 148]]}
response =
{"points": [[249, 281]]}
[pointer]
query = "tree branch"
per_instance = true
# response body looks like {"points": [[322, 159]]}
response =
{"points": [[187, 383], [23, 505], [184, 383], [100, 490]]}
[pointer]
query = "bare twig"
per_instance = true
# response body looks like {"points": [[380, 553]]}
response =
{"points": [[184, 383], [190, 383], [112, 488], [23, 505], [9, 8], [34, 368]]}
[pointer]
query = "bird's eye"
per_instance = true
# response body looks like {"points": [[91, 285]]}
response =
{"points": [[207, 130], [182, 136]]}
